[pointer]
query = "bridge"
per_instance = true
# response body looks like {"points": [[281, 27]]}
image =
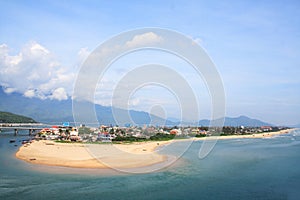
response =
{"points": [[31, 127]]}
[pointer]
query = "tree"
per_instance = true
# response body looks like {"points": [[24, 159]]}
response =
{"points": [[84, 130], [111, 131]]}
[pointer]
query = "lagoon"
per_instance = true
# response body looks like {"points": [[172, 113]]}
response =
{"points": [[236, 169]]}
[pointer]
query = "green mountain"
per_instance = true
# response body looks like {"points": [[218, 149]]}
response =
{"points": [[7, 117], [238, 121], [55, 112]]}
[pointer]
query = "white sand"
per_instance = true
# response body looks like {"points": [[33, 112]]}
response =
{"points": [[91, 155]]}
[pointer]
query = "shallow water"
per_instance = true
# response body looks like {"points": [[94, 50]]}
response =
{"points": [[235, 169]]}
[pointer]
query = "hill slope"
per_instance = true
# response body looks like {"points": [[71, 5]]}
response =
{"points": [[238, 121], [7, 117]]}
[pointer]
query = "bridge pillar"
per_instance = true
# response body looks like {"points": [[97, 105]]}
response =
{"points": [[30, 132]]}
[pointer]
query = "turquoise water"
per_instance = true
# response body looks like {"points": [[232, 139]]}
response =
{"points": [[235, 169]]}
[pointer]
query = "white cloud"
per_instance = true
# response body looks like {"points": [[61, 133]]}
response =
{"points": [[59, 94], [3, 49], [134, 102], [198, 40], [9, 90], [148, 38], [35, 72], [144, 39], [38, 49], [29, 93]]}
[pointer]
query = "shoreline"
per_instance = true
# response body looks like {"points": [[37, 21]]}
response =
{"points": [[109, 156], [250, 136]]}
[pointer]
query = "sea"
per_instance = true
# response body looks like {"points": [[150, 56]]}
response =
{"points": [[264, 169]]}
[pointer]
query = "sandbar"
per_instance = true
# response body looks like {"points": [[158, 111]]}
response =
{"points": [[79, 155]]}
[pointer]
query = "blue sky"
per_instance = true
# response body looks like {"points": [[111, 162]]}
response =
{"points": [[254, 44]]}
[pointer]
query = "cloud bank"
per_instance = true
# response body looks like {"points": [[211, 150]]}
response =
{"points": [[35, 72]]}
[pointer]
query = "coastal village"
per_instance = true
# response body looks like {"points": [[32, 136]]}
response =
{"points": [[66, 132], [135, 133]]}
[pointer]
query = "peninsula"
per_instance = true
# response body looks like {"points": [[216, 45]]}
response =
{"points": [[107, 155]]}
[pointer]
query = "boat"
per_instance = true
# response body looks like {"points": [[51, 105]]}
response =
{"points": [[26, 141], [12, 141]]}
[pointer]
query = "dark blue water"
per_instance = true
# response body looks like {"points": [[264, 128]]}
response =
{"points": [[235, 169]]}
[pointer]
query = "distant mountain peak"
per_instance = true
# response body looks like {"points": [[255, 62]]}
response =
{"points": [[238, 121]]}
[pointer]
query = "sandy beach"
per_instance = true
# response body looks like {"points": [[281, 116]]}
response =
{"points": [[119, 156], [79, 155], [255, 135]]}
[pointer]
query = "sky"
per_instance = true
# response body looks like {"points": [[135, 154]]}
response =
{"points": [[255, 46]]}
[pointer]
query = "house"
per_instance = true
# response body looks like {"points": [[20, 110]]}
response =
{"points": [[174, 132], [104, 137], [74, 132], [266, 128]]}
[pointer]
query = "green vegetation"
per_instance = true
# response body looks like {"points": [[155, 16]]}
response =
{"points": [[228, 130], [84, 130], [6, 117], [157, 137], [129, 139], [200, 135], [162, 137]]}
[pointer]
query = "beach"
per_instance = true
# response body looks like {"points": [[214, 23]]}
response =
{"points": [[79, 155], [120, 156], [255, 135]]}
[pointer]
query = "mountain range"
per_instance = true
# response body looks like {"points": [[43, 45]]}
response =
{"points": [[55, 112]]}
